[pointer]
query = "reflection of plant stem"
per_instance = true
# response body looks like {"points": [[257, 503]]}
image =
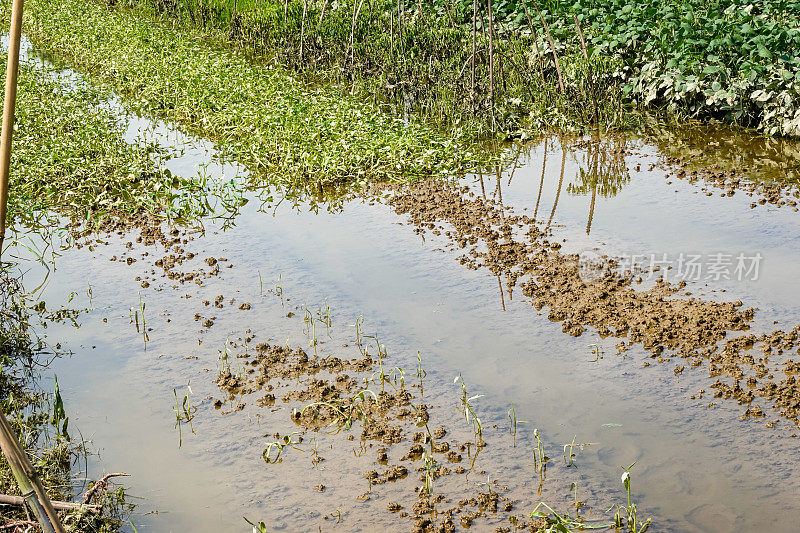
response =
{"points": [[560, 183], [541, 183]]}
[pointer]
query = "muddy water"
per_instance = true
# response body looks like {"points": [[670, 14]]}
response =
{"points": [[697, 468]]}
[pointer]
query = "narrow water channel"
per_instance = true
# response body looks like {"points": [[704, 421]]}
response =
{"points": [[697, 468]]}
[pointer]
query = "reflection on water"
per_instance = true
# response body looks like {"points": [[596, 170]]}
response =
{"points": [[760, 157]]}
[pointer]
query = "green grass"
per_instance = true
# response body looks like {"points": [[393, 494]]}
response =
{"points": [[261, 116]]}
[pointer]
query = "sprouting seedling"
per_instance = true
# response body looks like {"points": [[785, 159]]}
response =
{"points": [[272, 453], [563, 523], [569, 456], [89, 293], [59, 419], [421, 373], [347, 411], [260, 284], [224, 360], [359, 334], [135, 314], [184, 413], [469, 412], [391, 378], [512, 417], [277, 288], [574, 489], [316, 458], [260, 527], [597, 352], [630, 521], [540, 460], [430, 464], [381, 355], [311, 329], [325, 315]]}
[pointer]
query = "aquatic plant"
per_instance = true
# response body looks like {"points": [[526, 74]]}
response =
{"points": [[184, 413], [626, 516], [283, 131], [731, 60]]}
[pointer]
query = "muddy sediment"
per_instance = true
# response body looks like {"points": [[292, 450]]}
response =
{"points": [[663, 319], [334, 395]]}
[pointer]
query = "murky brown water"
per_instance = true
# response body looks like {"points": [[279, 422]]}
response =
{"points": [[698, 469]]}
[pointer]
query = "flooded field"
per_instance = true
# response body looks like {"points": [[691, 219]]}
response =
{"points": [[492, 278]]}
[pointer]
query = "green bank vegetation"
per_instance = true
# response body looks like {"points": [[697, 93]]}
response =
{"points": [[505, 64], [261, 116], [70, 157]]}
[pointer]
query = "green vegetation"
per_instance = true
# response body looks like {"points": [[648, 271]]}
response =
{"points": [[70, 155], [260, 116], [39, 418], [734, 60]]}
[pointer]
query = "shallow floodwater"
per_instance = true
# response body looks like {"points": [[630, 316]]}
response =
{"points": [[697, 468]]}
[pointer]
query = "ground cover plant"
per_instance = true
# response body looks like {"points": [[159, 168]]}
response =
{"points": [[71, 157], [506, 63], [261, 116]]}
